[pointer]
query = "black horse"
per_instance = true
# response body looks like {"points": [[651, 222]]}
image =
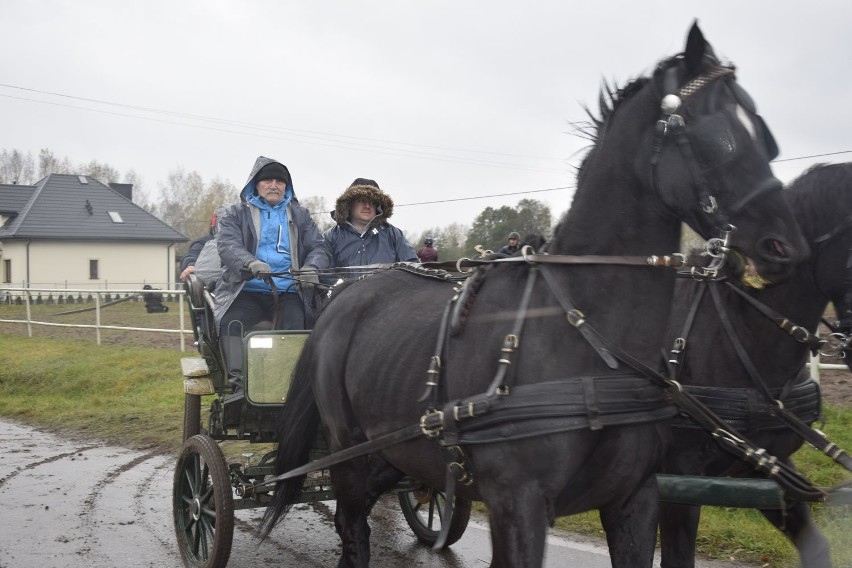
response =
{"points": [[535, 413], [709, 363]]}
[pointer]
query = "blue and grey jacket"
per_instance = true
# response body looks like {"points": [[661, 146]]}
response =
{"points": [[284, 236], [380, 242]]}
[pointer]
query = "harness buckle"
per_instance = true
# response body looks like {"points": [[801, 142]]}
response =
{"points": [[432, 424], [800, 334], [575, 317]]}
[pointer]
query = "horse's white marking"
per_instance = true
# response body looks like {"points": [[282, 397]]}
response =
{"points": [[745, 118]]}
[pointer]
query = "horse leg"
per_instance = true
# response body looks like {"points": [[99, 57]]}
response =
{"points": [[358, 484], [678, 531], [797, 525], [631, 527], [350, 519], [518, 522]]}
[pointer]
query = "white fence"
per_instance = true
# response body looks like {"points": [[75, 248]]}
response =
{"points": [[27, 297], [27, 294]]}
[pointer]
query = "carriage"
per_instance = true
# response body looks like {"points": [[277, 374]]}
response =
{"points": [[209, 487]]}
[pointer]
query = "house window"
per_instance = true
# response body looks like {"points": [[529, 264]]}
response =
{"points": [[93, 270], [7, 271], [116, 218]]}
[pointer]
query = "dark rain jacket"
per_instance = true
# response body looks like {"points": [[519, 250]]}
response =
{"points": [[237, 242], [380, 242]]}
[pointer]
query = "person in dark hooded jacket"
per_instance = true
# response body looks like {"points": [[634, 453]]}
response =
{"points": [[362, 235], [268, 231]]}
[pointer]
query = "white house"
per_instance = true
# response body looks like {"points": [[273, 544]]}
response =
{"points": [[69, 231]]}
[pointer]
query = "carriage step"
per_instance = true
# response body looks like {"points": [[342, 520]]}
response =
{"points": [[199, 386], [194, 367], [197, 375], [736, 492], [721, 491]]}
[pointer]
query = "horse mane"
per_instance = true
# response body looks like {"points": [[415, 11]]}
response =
{"points": [[821, 198]]}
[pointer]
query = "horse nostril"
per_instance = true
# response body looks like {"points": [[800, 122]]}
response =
{"points": [[776, 249]]}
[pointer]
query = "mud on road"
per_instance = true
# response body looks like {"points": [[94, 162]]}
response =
{"points": [[76, 504]]}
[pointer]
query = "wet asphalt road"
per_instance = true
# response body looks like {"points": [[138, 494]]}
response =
{"points": [[72, 504]]}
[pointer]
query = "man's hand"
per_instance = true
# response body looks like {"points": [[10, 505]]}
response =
{"points": [[257, 266], [308, 275], [187, 271]]}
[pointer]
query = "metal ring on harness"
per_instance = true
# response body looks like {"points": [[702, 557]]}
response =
{"points": [[800, 334], [459, 265], [835, 343]]}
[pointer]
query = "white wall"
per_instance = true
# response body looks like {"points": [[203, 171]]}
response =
{"points": [[66, 264]]}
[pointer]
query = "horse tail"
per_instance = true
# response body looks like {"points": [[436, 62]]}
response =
{"points": [[297, 431]]}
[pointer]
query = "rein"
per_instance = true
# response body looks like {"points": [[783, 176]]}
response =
{"points": [[800, 334]]}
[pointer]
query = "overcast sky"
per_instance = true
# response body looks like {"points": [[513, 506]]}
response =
{"points": [[436, 100]]}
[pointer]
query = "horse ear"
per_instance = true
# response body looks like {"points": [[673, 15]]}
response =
{"points": [[696, 47]]}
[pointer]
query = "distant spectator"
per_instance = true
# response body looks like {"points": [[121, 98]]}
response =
{"points": [[428, 252], [512, 247]]}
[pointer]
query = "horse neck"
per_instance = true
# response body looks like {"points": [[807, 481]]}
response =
{"points": [[616, 212]]}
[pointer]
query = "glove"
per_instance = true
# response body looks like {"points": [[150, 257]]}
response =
{"points": [[257, 266], [308, 275]]}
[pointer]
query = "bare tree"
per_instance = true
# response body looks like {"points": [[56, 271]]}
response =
{"points": [[104, 173], [16, 167], [320, 212]]}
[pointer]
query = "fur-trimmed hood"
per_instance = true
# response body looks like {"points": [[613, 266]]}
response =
{"points": [[383, 201]]}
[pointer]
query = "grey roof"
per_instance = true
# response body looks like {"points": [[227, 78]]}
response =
{"points": [[61, 206], [13, 198]]}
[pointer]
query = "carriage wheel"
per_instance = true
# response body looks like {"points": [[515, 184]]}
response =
{"points": [[191, 416], [423, 509], [203, 504]]}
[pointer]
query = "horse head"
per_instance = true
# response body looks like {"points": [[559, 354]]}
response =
{"points": [[710, 154], [822, 200]]}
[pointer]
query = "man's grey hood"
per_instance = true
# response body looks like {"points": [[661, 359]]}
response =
{"points": [[259, 164]]}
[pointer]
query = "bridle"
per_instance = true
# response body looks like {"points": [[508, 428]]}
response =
{"points": [[672, 125], [839, 340]]}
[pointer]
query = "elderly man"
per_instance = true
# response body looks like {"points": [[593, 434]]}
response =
{"points": [[268, 231]]}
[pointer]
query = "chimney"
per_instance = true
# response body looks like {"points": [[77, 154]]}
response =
{"points": [[123, 189]]}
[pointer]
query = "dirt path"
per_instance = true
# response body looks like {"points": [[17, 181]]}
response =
{"points": [[72, 504]]}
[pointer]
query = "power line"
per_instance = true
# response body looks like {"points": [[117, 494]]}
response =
{"points": [[264, 126], [484, 196], [326, 139], [813, 156]]}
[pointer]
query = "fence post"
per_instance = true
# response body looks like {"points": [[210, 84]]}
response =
{"points": [[814, 367], [29, 314], [98, 316], [180, 314]]}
